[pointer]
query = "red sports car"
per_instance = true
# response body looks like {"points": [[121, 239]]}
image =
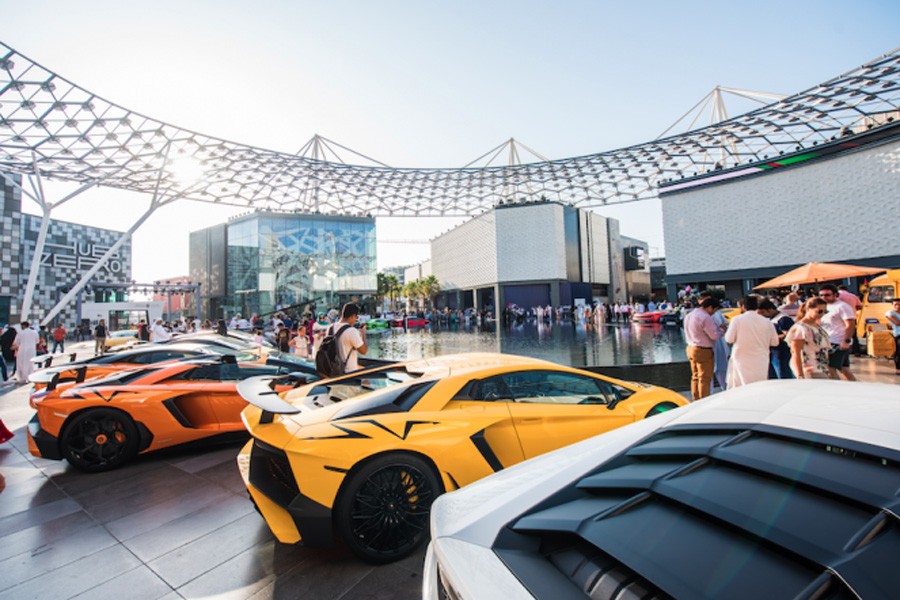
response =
{"points": [[648, 317], [410, 322]]}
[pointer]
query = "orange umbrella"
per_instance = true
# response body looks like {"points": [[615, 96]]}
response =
{"points": [[816, 272]]}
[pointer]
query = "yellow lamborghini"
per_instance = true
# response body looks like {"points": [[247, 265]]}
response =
{"points": [[365, 454]]}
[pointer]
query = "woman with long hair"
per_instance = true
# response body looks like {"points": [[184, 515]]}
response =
{"points": [[809, 342]]}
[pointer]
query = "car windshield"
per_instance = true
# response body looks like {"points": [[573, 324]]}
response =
{"points": [[245, 337], [350, 386], [291, 358], [239, 355]]}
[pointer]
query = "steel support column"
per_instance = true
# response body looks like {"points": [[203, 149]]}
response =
{"points": [[103, 259]]}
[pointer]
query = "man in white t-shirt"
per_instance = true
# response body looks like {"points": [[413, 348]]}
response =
{"points": [[353, 341], [840, 323]]}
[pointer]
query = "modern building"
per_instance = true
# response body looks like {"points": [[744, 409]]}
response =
{"points": [[178, 296], [265, 261], [537, 254], [416, 272], [399, 272], [69, 252], [736, 228]]}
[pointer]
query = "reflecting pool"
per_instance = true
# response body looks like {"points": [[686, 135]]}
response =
{"points": [[565, 343]]}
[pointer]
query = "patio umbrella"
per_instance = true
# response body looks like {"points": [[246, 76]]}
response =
{"points": [[816, 272]]}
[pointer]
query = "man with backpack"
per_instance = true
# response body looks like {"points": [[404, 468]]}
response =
{"points": [[343, 342]]}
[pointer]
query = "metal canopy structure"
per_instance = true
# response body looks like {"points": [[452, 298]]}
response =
{"points": [[52, 128]]}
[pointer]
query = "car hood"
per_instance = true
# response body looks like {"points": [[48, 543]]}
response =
{"points": [[864, 412]]}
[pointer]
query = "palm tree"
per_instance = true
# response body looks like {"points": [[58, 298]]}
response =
{"points": [[380, 287], [393, 287], [388, 287], [429, 288], [412, 292]]}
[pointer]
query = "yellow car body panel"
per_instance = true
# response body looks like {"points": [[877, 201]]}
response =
{"points": [[730, 313], [878, 300], [464, 439]]}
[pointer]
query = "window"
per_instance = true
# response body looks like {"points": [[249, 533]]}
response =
{"points": [[550, 387], [881, 293], [487, 390], [217, 372], [247, 372]]}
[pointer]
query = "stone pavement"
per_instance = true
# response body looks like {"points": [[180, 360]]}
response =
{"points": [[175, 524]]}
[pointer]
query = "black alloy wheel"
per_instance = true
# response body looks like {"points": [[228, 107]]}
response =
{"points": [[99, 439], [383, 511]]}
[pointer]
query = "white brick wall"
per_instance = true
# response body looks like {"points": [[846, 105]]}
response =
{"points": [[466, 257], [840, 209], [594, 248], [530, 243]]}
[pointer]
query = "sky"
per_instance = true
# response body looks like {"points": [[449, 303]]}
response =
{"points": [[425, 84]]}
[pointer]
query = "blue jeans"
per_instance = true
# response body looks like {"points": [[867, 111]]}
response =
{"points": [[60, 344], [780, 367]]}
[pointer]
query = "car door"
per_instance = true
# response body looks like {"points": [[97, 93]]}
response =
{"points": [[486, 404], [190, 401], [552, 409], [224, 400], [226, 403]]}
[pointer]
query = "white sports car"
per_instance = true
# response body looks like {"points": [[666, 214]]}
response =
{"points": [[780, 489]]}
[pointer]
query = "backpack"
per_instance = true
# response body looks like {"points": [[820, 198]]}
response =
{"points": [[328, 358]]}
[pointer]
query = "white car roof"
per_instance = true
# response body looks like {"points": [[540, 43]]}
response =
{"points": [[865, 412]]}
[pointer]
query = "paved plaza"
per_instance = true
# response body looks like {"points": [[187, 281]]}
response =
{"points": [[176, 524]]}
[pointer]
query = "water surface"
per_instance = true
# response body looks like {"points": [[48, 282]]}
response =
{"points": [[565, 343]]}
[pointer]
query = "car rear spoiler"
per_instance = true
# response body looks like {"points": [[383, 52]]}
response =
{"points": [[52, 376], [260, 392], [48, 376]]}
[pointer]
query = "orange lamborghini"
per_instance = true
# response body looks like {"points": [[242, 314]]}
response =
{"points": [[154, 354], [103, 423]]}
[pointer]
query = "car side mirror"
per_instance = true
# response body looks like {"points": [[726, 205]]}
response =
{"points": [[615, 400]]}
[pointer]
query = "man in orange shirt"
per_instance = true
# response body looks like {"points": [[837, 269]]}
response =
{"points": [[59, 339]]}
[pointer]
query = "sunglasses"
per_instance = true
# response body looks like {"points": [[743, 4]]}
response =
{"points": [[820, 311]]}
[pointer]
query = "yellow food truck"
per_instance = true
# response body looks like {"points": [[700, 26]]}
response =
{"points": [[877, 301]]}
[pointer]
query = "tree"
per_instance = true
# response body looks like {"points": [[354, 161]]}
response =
{"points": [[394, 287], [388, 287], [412, 292], [429, 288]]}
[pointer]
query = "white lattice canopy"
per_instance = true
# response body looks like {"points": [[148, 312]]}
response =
{"points": [[53, 127]]}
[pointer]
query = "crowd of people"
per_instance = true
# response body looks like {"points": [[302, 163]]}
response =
{"points": [[801, 335], [804, 336]]}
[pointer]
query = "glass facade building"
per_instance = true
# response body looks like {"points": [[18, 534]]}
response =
{"points": [[276, 260]]}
